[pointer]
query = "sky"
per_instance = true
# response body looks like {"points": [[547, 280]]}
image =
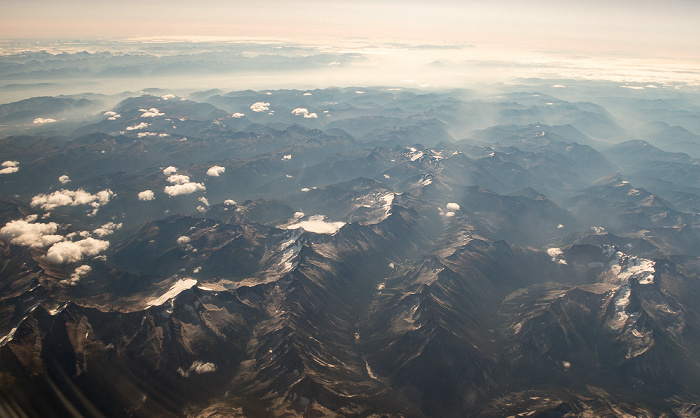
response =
{"points": [[641, 28]]}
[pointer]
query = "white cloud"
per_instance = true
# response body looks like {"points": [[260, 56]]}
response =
{"points": [[185, 188], [146, 195], [72, 198], [182, 185], [201, 209], [110, 113], [139, 126], [64, 179], [74, 251], [204, 200], [450, 214], [215, 171], [300, 111], [287, 157], [452, 206], [107, 229], [26, 233], [41, 121], [151, 113], [307, 94], [178, 179], [145, 134], [229, 202], [115, 117], [169, 170], [318, 225], [197, 269], [9, 167], [184, 239], [197, 367], [260, 106], [167, 96], [305, 189], [237, 115], [79, 273]]}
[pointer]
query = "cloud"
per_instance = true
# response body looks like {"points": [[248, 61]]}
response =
{"points": [[146, 195], [29, 234], [260, 106], [64, 179], [452, 206], [287, 157], [201, 209], [184, 239], [9, 167], [307, 94], [215, 171], [112, 115], [145, 134], [72, 198], [139, 126], [150, 113], [229, 202], [74, 251], [318, 225], [178, 179], [41, 121], [204, 200], [167, 96], [79, 273], [182, 185], [197, 367], [107, 229], [300, 111], [237, 115], [169, 170], [450, 214]]}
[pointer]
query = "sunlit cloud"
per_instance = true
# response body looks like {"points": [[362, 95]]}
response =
{"points": [[169, 170], [27, 233], [260, 107], [215, 171], [141, 125], [74, 251], [42, 121], [78, 197], [150, 113], [146, 195], [64, 179], [9, 167]]}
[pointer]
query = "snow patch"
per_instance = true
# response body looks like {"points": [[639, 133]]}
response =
{"points": [[179, 287]]}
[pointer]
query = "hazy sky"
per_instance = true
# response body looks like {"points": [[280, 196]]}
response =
{"points": [[642, 28]]}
